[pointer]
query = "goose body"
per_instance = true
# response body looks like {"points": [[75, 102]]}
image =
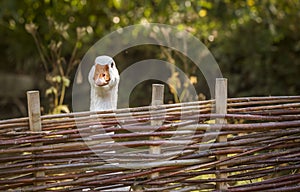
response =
{"points": [[104, 81]]}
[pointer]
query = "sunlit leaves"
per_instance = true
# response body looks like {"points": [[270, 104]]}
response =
{"points": [[202, 13], [250, 3], [31, 28], [117, 4]]}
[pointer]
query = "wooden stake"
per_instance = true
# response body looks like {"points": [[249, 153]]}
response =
{"points": [[34, 114], [221, 108], [157, 99]]}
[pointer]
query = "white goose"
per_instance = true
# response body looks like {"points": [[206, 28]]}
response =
{"points": [[104, 81]]}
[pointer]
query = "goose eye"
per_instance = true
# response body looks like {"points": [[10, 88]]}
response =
{"points": [[112, 64]]}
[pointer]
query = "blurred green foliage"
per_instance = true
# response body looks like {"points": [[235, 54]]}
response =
{"points": [[256, 43]]}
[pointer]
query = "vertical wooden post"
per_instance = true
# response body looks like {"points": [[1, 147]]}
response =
{"points": [[34, 114], [157, 99], [221, 108]]}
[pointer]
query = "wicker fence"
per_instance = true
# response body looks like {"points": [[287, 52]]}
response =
{"points": [[254, 145]]}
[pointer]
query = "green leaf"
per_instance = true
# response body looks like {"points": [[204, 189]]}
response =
{"points": [[61, 109], [117, 4], [66, 81], [51, 90], [56, 79]]}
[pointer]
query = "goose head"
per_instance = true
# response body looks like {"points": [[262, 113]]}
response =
{"points": [[104, 73]]}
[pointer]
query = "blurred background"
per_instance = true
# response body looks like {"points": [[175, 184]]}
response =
{"points": [[255, 43]]}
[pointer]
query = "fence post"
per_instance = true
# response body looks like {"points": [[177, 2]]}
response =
{"points": [[221, 108], [34, 114], [157, 99]]}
